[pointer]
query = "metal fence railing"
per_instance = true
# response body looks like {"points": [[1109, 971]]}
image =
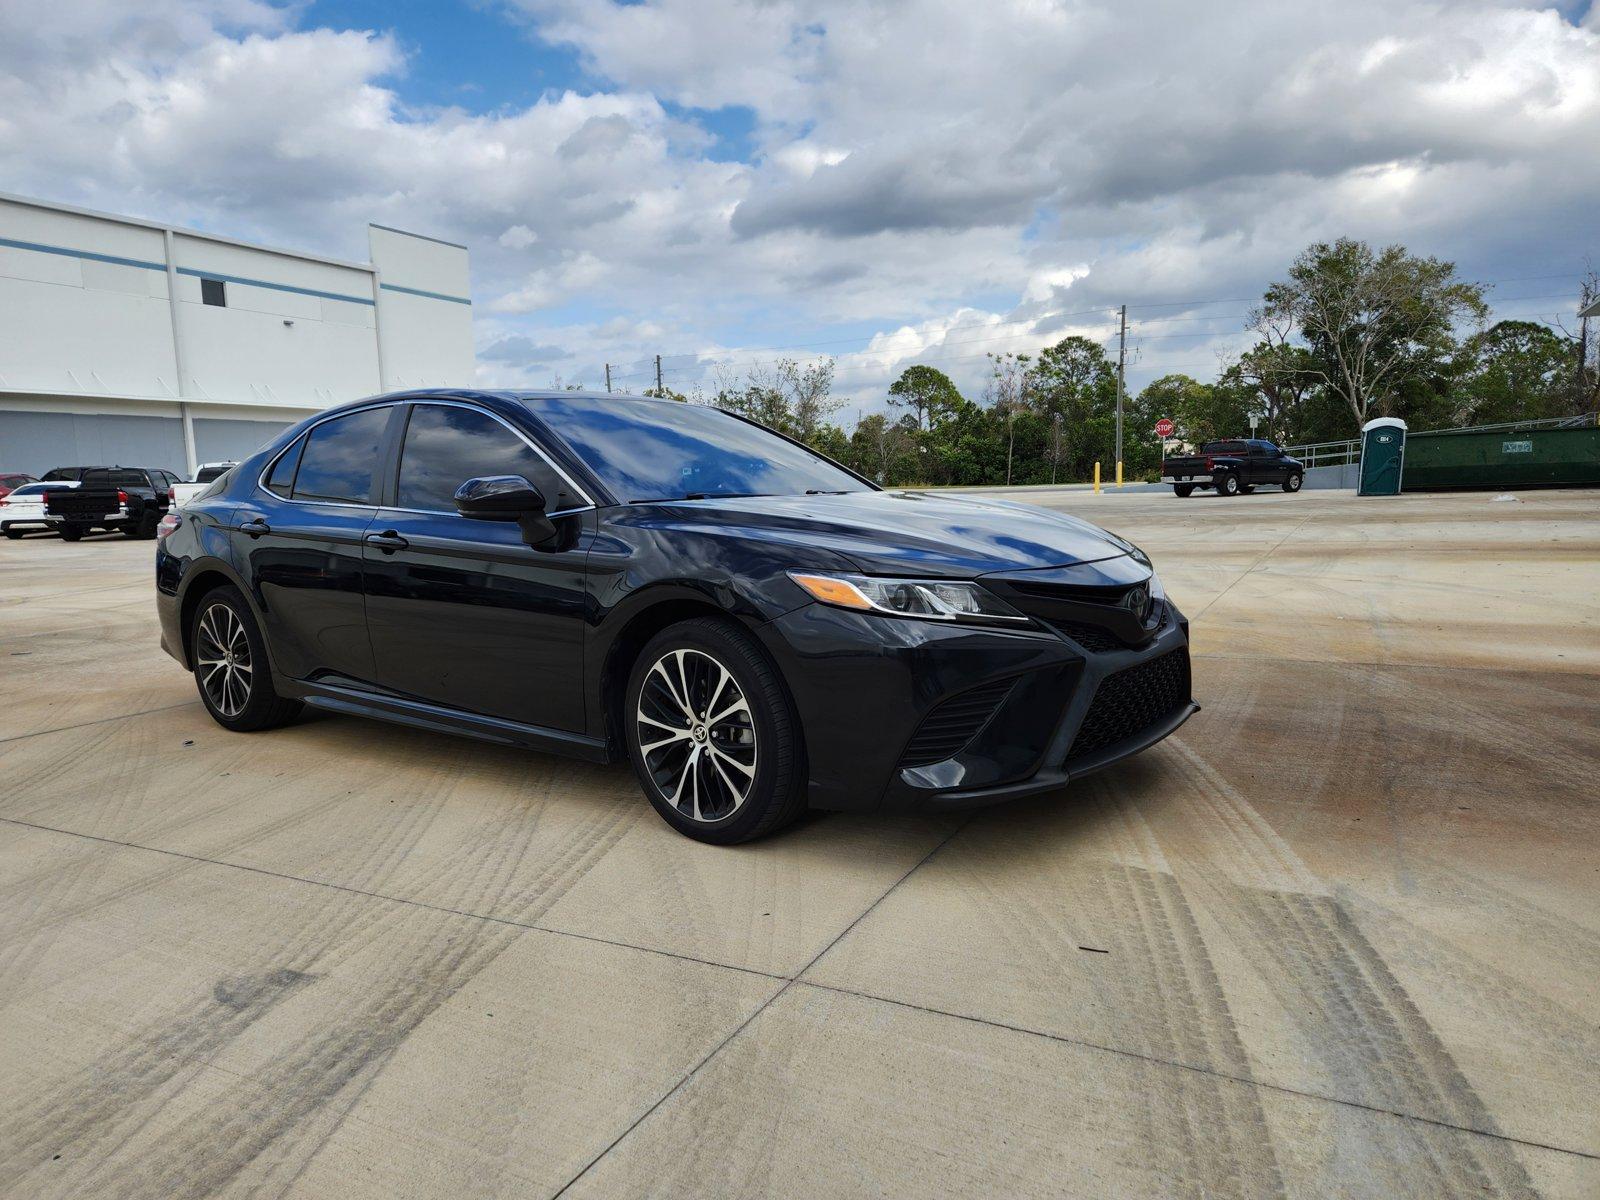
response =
{"points": [[1326, 454]]}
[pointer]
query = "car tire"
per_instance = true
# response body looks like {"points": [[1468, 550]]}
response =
{"points": [[1183, 490], [1292, 484], [146, 528], [71, 533], [237, 690], [718, 781], [14, 534], [1227, 485]]}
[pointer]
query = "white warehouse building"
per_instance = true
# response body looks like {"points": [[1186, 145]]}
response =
{"points": [[126, 342]]}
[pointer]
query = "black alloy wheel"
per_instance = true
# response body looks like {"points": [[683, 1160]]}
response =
{"points": [[230, 665], [711, 735]]}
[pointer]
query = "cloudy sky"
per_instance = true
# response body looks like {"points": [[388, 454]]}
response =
{"points": [[728, 181]]}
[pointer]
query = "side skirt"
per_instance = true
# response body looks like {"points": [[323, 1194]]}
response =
{"points": [[418, 714]]}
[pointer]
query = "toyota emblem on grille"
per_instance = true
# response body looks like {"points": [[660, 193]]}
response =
{"points": [[1136, 601]]}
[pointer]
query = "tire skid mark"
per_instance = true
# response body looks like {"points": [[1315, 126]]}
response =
{"points": [[1168, 1002], [140, 1079], [1491, 989], [276, 1108], [1356, 1017], [30, 936], [299, 1082]]}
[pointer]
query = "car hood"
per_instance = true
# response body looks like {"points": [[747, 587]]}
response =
{"points": [[914, 533]]}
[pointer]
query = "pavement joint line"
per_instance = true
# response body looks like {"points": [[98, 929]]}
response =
{"points": [[1199, 1070], [761, 1008], [22, 737], [1264, 555], [438, 908], [790, 981]]}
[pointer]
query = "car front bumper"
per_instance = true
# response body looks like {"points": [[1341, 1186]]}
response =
{"points": [[882, 699]]}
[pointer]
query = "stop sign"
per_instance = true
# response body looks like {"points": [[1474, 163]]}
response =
{"points": [[1164, 428]]}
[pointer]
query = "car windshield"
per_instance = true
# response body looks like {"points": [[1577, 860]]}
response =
{"points": [[645, 450]]}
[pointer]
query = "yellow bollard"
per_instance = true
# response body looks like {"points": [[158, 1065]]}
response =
{"points": [[1097, 477], [1119, 472]]}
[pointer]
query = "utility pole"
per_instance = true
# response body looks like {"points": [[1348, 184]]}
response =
{"points": [[1122, 366], [608, 379], [1055, 457], [1011, 440], [659, 392]]}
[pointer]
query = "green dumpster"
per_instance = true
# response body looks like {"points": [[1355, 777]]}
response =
{"points": [[1383, 444], [1503, 458]]}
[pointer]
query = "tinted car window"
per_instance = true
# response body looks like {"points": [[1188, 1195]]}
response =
{"points": [[281, 479], [339, 457], [207, 474], [1223, 448], [117, 479], [665, 450], [445, 446]]}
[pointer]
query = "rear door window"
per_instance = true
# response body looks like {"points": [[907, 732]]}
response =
{"points": [[340, 457], [445, 446]]}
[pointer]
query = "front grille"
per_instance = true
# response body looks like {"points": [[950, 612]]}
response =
{"points": [[1098, 640], [1091, 637], [1132, 700], [951, 725]]}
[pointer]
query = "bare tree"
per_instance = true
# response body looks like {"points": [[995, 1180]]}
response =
{"points": [[1007, 393], [789, 397], [1371, 321]]}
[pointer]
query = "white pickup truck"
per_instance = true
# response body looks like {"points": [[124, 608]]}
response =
{"points": [[180, 494]]}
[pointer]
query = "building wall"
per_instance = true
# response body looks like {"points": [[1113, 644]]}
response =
{"points": [[222, 441], [88, 331], [294, 332], [83, 305], [424, 314], [37, 442]]}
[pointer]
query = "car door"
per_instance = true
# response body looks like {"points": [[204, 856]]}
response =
{"points": [[298, 543], [463, 613]]}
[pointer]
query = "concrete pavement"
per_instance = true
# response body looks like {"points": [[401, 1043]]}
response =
{"points": [[1340, 936]]}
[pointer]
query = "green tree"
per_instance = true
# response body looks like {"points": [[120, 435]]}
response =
{"points": [[1074, 381], [927, 391], [1373, 321], [1512, 371], [1200, 412]]}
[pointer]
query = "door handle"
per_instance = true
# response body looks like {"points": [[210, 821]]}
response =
{"points": [[255, 527], [388, 541]]}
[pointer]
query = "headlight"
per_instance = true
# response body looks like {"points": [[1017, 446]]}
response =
{"points": [[1157, 592], [930, 599]]}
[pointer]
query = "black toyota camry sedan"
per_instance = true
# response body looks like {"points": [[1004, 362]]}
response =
{"points": [[756, 628]]}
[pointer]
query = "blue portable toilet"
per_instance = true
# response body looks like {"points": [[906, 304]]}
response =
{"points": [[1383, 447]]}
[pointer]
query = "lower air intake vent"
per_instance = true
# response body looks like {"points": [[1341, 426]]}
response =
{"points": [[1131, 701], [949, 727]]}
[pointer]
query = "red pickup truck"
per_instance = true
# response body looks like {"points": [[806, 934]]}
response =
{"points": [[1234, 466]]}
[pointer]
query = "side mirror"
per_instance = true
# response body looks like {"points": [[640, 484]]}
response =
{"points": [[507, 498]]}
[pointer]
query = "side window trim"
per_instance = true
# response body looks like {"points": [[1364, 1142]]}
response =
{"points": [[304, 438], [391, 490]]}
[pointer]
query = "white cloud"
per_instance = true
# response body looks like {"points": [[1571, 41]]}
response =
{"points": [[941, 171]]}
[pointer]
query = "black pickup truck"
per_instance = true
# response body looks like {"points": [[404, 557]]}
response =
{"points": [[1234, 466], [130, 499]]}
